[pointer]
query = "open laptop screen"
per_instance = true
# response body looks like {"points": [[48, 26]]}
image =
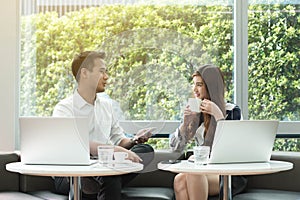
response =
{"points": [[243, 141], [54, 140]]}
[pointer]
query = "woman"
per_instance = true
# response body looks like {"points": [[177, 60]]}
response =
{"points": [[208, 85]]}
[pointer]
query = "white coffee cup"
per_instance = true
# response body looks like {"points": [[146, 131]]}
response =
{"points": [[120, 156], [194, 104], [201, 155], [105, 154]]}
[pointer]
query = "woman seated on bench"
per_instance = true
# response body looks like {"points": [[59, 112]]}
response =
{"points": [[208, 85]]}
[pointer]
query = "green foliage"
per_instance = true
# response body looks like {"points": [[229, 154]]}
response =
{"points": [[159, 143], [274, 46], [152, 51], [287, 144]]}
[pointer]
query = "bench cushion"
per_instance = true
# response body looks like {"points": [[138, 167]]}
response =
{"points": [[43, 194], [267, 194], [129, 193], [148, 193], [9, 180], [17, 196]]}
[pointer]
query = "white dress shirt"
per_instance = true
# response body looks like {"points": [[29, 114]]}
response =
{"points": [[103, 125]]}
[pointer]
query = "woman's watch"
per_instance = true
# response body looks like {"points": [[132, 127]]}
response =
{"points": [[133, 142]]}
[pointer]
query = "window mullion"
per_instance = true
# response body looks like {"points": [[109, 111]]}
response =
{"points": [[241, 55]]}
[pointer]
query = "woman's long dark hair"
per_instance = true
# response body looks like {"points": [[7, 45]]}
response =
{"points": [[215, 88]]}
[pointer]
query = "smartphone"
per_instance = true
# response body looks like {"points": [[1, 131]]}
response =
{"points": [[170, 161], [146, 132]]}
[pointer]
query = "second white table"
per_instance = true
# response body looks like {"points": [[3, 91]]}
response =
{"points": [[227, 170]]}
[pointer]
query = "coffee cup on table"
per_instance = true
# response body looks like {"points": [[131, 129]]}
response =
{"points": [[120, 157]]}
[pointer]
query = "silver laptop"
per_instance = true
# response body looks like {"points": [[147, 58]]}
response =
{"points": [[54, 140], [243, 141]]}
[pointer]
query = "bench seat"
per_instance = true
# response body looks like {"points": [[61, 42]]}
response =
{"points": [[268, 194]]}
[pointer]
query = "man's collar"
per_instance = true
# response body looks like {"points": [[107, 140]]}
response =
{"points": [[81, 102]]}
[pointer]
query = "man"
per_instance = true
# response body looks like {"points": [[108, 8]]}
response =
{"points": [[90, 72]]}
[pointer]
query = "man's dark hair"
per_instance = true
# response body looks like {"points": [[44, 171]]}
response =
{"points": [[85, 60]]}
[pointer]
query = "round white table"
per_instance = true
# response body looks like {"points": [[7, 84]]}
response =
{"points": [[227, 170], [74, 172]]}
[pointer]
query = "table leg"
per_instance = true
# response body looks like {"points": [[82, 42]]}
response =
{"points": [[75, 188], [226, 179]]}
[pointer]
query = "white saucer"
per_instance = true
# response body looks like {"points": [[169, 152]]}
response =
{"points": [[120, 162]]}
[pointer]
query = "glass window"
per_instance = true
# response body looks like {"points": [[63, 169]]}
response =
{"points": [[152, 49], [274, 44], [274, 78]]}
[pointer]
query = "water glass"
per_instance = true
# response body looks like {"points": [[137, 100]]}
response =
{"points": [[105, 154], [201, 154]]}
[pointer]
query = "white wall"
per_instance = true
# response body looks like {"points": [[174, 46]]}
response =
{"points": [[9, 73]]}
